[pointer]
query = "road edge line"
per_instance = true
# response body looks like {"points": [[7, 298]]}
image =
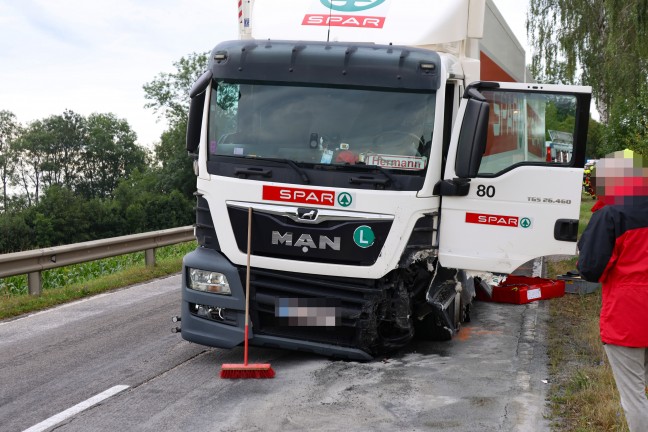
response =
{"points": [[76, 409]]}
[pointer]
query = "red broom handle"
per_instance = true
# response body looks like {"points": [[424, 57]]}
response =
{"points": [[247, 287], [245, 347]]}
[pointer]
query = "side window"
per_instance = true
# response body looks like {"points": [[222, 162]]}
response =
{"points": [[223, 118], [528, 127]]}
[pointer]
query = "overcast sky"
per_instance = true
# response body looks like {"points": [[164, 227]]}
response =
{"points": [[95, 55]]}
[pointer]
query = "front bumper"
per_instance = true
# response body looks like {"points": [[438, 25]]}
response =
{"points": [[226, 329]]}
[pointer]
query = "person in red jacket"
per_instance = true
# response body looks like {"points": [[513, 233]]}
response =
{"points": [[613, 250]]}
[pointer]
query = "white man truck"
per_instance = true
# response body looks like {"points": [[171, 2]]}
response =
{"points": [[390, 162]]}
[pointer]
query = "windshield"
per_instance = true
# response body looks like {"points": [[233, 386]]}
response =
{"points": [[322, 125]]}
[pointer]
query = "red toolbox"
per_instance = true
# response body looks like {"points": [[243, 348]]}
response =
{"points": [[524, 289]]}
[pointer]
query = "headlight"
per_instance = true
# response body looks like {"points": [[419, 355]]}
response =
{"points": [[213, 282]]}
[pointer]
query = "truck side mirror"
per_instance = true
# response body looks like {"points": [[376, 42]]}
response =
{"points": [[472, 139], [194, 122]]}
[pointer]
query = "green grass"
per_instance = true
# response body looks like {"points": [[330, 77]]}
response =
{"points": [[65, 284]]}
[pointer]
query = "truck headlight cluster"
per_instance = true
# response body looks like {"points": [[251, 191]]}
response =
{"points": [[208, 281]]}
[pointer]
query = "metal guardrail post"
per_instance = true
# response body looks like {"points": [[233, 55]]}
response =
{"points": [[35, 283], [149, 257]]}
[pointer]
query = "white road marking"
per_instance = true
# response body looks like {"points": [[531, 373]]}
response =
{"points": [[76, 409]]}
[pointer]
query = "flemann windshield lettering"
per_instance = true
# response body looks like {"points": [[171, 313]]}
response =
{"points": [[396, 162], [343, 21]]}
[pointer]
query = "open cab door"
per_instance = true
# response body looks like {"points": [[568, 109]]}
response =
{"points": [[508, 194]]}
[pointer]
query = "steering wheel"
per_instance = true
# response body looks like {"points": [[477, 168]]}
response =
{"points": [[396, 139]]}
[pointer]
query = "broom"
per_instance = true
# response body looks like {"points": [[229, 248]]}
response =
{"points": [[245, 370]]}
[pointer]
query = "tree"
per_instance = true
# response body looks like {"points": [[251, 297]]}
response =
{"points": [[66, 135], [9, 132], [109, 153], [168, 96], [59, 218], [596, 142], [602, 43], [175, 171], [628, 127], [168, 93], [31, 148], [86, 155], [49, 153], [144, 208], [15, 234]]}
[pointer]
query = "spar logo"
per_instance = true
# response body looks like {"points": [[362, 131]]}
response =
{"points": [[345, 19], [498, 220], [320, 197], [351, 5]]}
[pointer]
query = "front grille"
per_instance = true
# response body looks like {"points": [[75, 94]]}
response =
{"points": [[356, 299], [277, 236]]}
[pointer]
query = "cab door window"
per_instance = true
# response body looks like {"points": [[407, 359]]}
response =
{"points": [[529, 127]]}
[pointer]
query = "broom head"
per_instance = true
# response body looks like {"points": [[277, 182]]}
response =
{"points": [[252, 370]]}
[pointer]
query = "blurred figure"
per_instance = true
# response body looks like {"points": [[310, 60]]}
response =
{"points": [[614, 251], [587, 180]]}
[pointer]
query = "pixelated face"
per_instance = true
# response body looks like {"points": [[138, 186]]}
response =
{"points": [[621, 174]]}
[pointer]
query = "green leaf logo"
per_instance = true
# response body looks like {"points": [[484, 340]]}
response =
{"points": [[345, 199]]}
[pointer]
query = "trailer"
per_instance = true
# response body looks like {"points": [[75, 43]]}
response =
{"points": [[391, 158]]}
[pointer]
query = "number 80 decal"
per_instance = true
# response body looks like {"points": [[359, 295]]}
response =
{"points": [[485, 191]]}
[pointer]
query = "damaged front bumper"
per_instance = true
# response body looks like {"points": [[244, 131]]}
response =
{"points": [[218, 320]]}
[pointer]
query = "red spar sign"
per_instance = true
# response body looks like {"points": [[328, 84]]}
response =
{"points": [[299, 195], [343, 21], [489, 219]]}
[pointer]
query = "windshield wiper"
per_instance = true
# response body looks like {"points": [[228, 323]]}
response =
{"points": [[389, 178], [288, 162]]}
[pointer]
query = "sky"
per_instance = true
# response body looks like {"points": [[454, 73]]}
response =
{"points": [[94, 56]]}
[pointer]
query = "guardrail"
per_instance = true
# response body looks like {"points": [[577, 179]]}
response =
{"points": [[33, 262]]}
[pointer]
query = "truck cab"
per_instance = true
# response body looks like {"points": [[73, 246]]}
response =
{"points": [[370, 185]]}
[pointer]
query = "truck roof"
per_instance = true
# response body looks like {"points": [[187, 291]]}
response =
{"points": [[336, 64]]}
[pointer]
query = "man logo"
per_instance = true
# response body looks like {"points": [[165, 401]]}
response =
{"points": [[307, 214], [305, 241], [351, 5]]}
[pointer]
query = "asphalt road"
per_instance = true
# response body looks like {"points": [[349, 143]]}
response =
{"points": [[52, 363]]}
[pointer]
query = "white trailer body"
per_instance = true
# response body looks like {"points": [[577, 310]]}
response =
{"points": [[473, 31], [383, 172]]}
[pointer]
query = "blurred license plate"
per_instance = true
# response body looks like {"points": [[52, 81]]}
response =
{"points": [[308, 312]]}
